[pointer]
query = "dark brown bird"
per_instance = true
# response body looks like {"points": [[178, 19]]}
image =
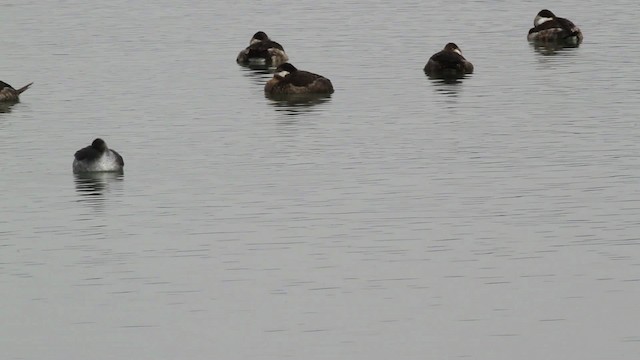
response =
{"points": [[548, 28], [289, 80], [448, 63], [9, 94], [262, 51]]}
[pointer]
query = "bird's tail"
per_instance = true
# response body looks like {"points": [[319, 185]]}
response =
{"points": [[24, 88]]}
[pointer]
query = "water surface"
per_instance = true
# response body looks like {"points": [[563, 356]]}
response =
{"points": [[402, 217]]}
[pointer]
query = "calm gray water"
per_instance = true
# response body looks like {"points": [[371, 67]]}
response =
{"points": [[402, 218]]}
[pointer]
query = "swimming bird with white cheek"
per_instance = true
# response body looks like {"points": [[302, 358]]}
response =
{"points": [[549, 28], [448, 63], [288, 80], [262, 51]]}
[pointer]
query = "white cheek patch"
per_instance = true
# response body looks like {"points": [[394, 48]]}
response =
{"points": [[257, 61], [253, 41], [457, 51], [541, 20], [282, 74]]}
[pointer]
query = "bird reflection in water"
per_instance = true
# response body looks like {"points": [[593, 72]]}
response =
{"points": [[295, 104], [93, 186], [5, 107], [258, 75], [551, 48], [447, 86]]}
